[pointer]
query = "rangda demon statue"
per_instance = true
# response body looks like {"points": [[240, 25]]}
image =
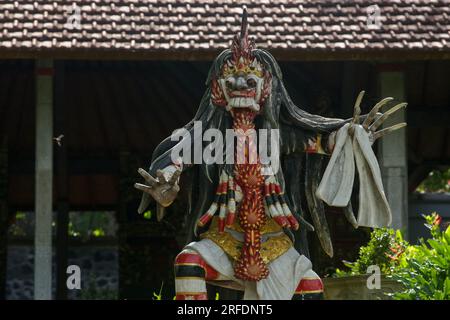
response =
{"points": [[249, 214]]}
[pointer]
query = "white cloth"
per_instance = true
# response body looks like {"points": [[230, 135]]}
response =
{"points": [[285, 272], [336, 186]]}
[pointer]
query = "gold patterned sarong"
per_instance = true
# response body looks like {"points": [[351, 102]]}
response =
{"points": [[271, 249]]}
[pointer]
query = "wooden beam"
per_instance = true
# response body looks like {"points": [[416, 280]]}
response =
{"points": [[210, 54], [43, 181]]}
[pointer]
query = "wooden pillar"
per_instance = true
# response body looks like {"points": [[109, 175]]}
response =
{"points": [[43, 181], [392, 149], [62, 185], [3, 214]]}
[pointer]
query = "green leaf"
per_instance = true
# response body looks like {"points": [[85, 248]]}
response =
{"points": [[157, 296], [147, 215]]}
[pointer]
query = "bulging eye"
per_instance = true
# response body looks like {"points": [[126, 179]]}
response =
{"points": [[251, 82], [229, 82]]}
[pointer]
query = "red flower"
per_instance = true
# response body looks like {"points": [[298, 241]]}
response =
{"points": [[437, 220], [392, 257], [397, 250]]}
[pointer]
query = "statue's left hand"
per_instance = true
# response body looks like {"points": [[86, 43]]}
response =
{"points": [[375, 118]]}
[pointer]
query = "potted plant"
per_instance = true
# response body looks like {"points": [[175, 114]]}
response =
{"points": [[366, 278], [413, 272]]}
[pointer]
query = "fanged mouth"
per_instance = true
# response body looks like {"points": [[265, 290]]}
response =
{"points": [[242, 99], [243, 102], [244, 93]]}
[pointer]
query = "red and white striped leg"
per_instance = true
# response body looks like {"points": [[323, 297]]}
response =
{"points": [[191, 273]]}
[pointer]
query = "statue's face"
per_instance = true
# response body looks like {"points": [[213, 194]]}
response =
{"points": [[241, 84]]}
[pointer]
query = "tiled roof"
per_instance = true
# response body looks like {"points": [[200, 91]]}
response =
{"points": [[139, 27]]}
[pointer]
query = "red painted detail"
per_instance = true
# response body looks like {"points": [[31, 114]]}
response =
{"points": [[293, 222], [211, 273], [217, 95], [194, 258], [250, 265], [282, 221], [266, 190], [271, 188], [311, 146], [191, 258], [204, 219], [222, 188], [230, 218], [311, 149], [309, 285], [221, 225], [277, 188]]}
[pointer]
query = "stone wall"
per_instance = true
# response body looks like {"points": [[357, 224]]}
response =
{"points": [[99, 272]]}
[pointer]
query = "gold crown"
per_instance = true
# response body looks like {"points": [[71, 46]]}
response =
{"points": [[243, 66]]}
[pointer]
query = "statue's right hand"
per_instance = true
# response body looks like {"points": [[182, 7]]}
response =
{"points": [[163, 190]]}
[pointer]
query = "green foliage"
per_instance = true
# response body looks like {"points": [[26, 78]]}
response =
{"points": [[383, 249], [89, 225], [90, 291], [437, 181], [19, 228], [158, 296], [98, 232], [425, 270], [148, 214], [98, 294]]}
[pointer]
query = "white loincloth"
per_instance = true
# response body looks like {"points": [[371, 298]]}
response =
{"points": [[285, 272], [336, 186]]}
